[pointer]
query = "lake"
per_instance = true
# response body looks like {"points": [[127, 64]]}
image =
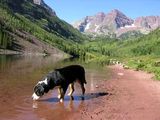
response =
{"points": [[19, 75]]}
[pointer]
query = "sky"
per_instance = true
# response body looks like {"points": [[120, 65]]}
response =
{"points": [[73, 10]]}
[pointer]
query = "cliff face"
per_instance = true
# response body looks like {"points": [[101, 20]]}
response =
{"points": [[38, 2], [148, 22], [42, 3], [50, 10]]}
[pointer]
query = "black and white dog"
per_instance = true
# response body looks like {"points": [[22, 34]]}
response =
{"points": [[62, 78]]}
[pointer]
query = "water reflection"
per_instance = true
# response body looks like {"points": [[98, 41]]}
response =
{"points": [[59, 111]]}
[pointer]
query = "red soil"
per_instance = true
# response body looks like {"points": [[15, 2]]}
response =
{"points": [[133, 95]]}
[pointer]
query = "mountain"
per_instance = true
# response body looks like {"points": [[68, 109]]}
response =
{"points": [[33, 21], [116, 23], [44, 16], [149, 22]]}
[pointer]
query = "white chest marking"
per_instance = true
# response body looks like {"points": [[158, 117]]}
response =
{"points": [[44, 81]]}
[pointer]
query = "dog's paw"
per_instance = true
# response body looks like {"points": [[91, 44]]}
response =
{"points": [[71, 98], [59, 96], [61, 100], [82, 97], [69, 94]]}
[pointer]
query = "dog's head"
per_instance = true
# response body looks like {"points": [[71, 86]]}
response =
{"points": [[39, 90]]}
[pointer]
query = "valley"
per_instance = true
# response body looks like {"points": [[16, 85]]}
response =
{"points": [[120, 54]]}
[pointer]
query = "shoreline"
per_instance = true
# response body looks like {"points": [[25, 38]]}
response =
{"points": [[132, 95], [11, 52]]}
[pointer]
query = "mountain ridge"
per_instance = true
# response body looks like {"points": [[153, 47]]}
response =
{"points": [[117, 23]]}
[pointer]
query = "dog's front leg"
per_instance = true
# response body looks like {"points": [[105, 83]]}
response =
{"points": [[63, 91], [59, 93], [83, 90]]}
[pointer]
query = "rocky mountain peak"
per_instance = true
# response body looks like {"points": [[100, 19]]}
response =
{"points": [[100, 14], [148, 22], [38, 2], [115, 12], [103, 23], [118, 19], [116, 22], [42, 3]]}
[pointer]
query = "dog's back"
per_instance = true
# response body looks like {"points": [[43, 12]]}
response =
{"points": [[72, 73]]}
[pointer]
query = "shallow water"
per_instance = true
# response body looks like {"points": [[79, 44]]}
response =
{"points": [[19, 74]]}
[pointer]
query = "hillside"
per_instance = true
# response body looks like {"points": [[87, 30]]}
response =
{"points": [[145, 45], [141, 53], [25, 20]]}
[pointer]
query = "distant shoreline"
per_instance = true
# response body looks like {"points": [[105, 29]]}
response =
{"points": [[12, 52], [8, 52]]}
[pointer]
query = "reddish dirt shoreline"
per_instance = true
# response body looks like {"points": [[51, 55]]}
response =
{"points": [[133, 95]]}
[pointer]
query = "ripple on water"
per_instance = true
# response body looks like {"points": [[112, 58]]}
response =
{"points": [[24, 105]]}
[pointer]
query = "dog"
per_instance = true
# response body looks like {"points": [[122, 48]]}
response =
{"points": [[62, 77]]}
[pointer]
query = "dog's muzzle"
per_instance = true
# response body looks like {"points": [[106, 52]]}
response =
{"points": [[35, 97]]}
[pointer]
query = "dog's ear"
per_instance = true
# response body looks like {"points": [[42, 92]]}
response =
{"points": [[46, 87], [41, 89]]}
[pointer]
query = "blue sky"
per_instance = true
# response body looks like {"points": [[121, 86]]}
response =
{"points": [[72, 10]]}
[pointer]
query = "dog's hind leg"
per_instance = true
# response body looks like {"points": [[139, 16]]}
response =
{"points": [[83, 90], [71, 89]]}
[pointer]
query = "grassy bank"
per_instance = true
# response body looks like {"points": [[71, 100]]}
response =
{"points": [[151, 64], [141, 53]]}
